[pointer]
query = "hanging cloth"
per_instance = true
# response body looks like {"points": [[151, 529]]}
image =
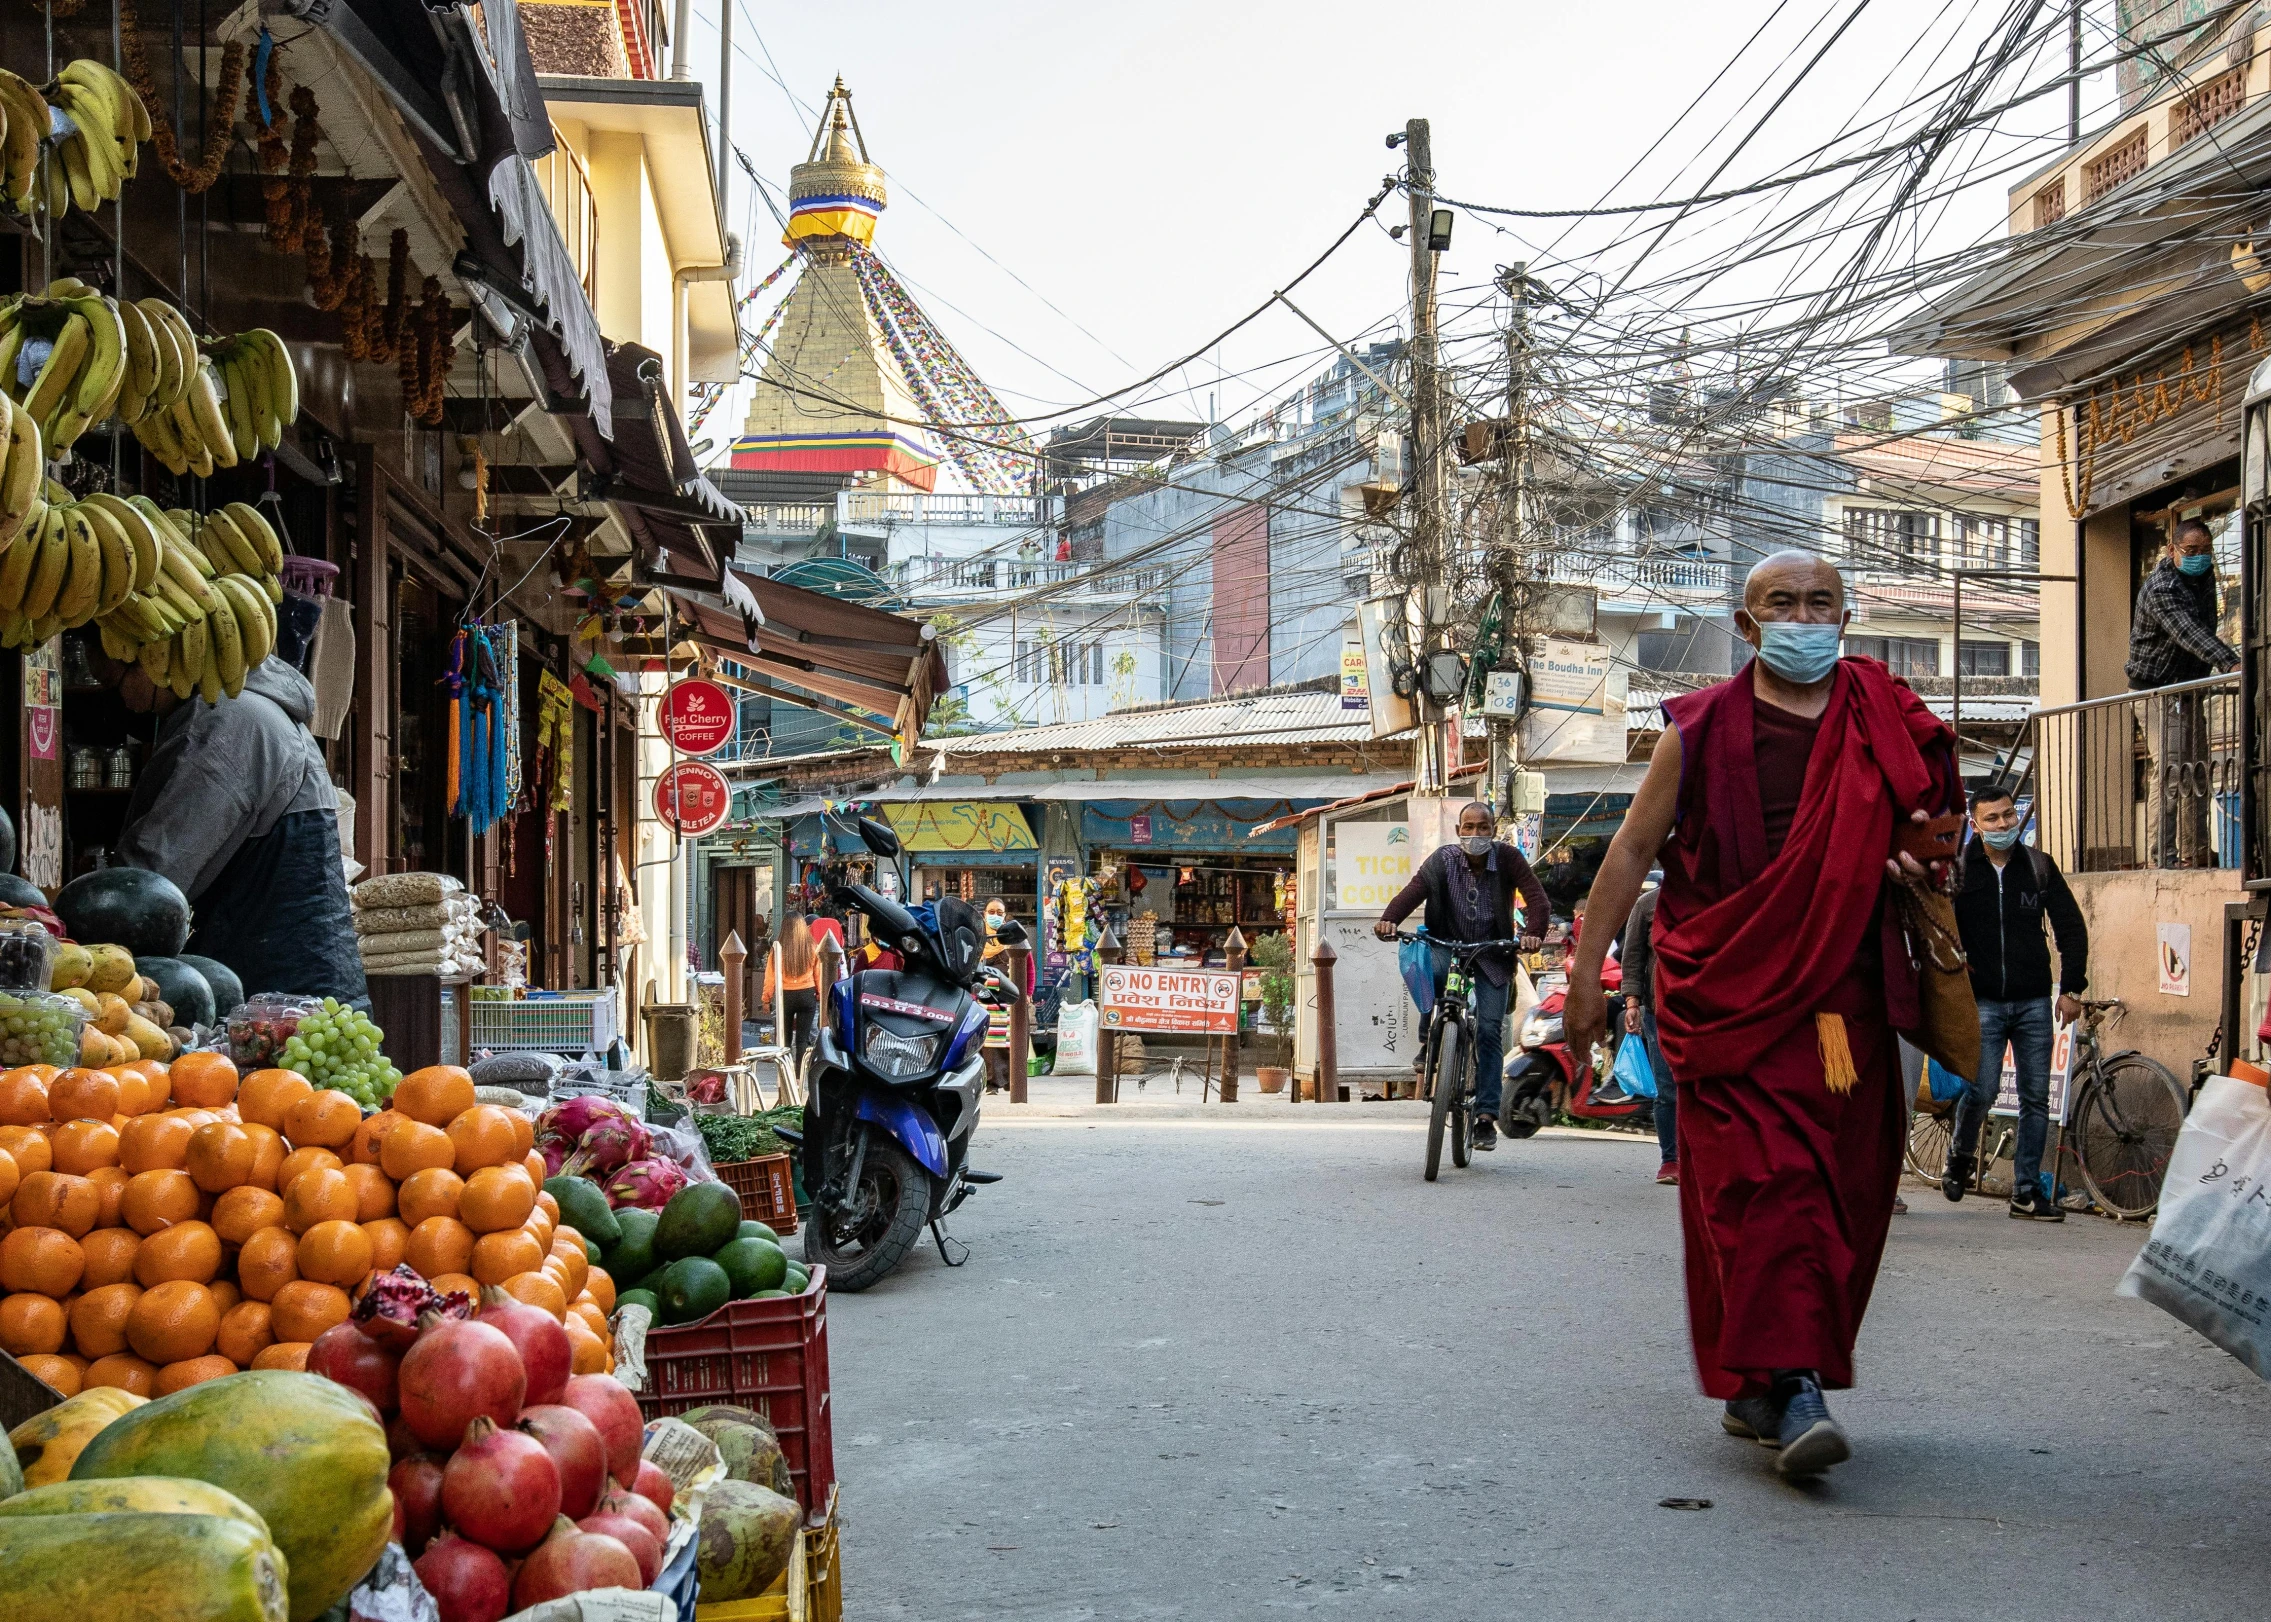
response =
{"points": [[453, 683]]}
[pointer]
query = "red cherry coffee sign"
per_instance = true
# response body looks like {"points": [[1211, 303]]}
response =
{"points": [[692, 798], [697, 716]]}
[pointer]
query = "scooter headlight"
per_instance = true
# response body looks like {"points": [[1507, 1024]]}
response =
{"points": [[895, 1055], [1541, 1030]]}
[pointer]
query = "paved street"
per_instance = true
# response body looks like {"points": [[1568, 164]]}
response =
{"points": [[1250, 1364]]}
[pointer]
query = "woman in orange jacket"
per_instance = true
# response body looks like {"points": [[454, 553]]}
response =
{"points": [[795, 969]]}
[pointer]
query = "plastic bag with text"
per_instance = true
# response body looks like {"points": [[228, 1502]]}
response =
{"points": [[2208, 1262]]}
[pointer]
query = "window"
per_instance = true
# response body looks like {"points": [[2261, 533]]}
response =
{"points": [[1878, 538], [2216, 101], [2050, 203], [1061, 664], [1902, 655], [1983, 541], [2103, 174], [2030, 543], [2030, 660], [1984, 658]]}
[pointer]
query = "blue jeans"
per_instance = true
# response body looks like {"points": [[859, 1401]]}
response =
{"points": [[1488, 1004], [1667, 1095], [2026, 1027]]}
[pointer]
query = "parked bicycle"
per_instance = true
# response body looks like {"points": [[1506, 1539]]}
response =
{"points": [[1448, 1077], [2121, 1127]]}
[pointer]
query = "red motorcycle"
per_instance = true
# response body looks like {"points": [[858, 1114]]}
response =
{"points": [[1542, 1078]]}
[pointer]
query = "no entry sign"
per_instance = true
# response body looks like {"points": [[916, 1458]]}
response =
{"points": [[697, 716], [1139, 999], [693, 798]]}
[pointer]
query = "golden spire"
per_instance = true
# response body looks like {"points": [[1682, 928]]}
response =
{"points": [[836, 193]]}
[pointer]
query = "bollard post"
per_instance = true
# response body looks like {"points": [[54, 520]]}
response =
{"points": [[1108, 950], [1328, 1032], [1234, 956], [733, 957], [1020, 1026]]}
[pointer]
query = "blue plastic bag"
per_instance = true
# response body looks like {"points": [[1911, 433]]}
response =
{"points": [[1947, 1086], [1417, 965], [1632, 1072]]}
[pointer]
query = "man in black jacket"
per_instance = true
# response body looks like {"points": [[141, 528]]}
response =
{"points": [[1999, 911], [1470, 890]]}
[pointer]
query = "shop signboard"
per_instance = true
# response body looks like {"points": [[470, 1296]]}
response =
{"points": [[960, 827], [692, 798], [1371, 862], [1381, 622], [1185, 1000], [1577, 700], [2061, 1075], [1139, 830], [698, 716], [1356, 684]]}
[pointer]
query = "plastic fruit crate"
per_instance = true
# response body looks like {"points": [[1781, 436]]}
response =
{"points": [[771, 1356], [767, 1186], [569, 1022], [811, 1590]]}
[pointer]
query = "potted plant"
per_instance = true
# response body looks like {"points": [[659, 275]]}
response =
{"points": [[1273, 955]]}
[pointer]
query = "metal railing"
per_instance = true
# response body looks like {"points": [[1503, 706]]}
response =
{"points": [[935, 574], [1675, 578], [873, 507], [2141, 780]]}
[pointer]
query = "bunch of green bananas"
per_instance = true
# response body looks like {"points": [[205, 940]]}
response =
{"points": [[95, 157], [260, 392], [63, 359], [207, 614]]}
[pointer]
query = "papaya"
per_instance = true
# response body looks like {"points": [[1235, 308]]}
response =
{"points": [[304, 1451], [11, 1474], [139, 1495], [211, 1567], [48, 1444]]}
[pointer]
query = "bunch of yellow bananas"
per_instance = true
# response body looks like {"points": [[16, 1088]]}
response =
{"points": [[80, 559], [23, 470], [95, 156], [185, 423], [207, 615], [63, 359], [260, 391]]}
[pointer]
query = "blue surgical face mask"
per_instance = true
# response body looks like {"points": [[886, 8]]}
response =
{"points": [[1799, 652], [2196, 562], [2000, 838]]}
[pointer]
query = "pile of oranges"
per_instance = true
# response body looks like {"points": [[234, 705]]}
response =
{"points": [[166, 1224]]}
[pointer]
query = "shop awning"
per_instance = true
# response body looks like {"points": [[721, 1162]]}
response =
{"points": [[470, 100], [1179, 790], [654, 483]]}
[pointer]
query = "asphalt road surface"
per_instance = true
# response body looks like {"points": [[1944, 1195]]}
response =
{"points": [[1250, 1365]]}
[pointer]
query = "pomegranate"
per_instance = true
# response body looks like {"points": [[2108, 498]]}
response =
{"points": [[469, 1584], [629, 1505], [654, 1485], [576, 1447], [570, 1561], [540, 1338], [389, 1309], [345, 1354], [607, 1404], [401, 1441], [417, 1486], [644, 1547], [458, 1370], [500, 1488]]}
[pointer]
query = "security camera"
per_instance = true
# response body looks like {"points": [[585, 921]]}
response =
{"points": [[1395, 140]]}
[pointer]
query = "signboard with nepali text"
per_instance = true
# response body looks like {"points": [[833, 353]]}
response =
{"points": [[1155, 999], [698, 716]]}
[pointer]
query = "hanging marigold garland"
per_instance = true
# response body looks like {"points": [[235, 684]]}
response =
{"points": [[220, 120], [2113, 413]]}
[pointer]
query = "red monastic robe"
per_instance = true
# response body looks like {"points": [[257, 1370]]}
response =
{"points": [[1786, 1186]]}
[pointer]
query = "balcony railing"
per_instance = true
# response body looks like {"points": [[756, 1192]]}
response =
{"points": [[880, 509], [1659, 578], [2141, 780], [933, 575]]}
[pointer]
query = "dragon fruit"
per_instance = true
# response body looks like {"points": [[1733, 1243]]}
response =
{"points": [[571, 1118], [389, 1310], [611, 1143], [647, 1184], [555, 1150]]}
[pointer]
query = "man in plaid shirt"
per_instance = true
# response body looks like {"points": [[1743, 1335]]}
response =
{"points": [[2172, 639]]}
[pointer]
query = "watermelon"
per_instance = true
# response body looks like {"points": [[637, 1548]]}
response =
{"points": [[126, 906], [188, 993], [18, 891], [228, 990]]}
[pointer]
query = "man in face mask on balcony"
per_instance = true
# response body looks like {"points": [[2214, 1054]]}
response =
{"points": [[2173, 640], [1773, 800]]}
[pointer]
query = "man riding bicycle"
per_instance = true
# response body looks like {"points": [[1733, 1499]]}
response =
{"points": [[1469, 889]]}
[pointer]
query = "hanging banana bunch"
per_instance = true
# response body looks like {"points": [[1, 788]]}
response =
{"points": [[201, 611], [97, 141]]}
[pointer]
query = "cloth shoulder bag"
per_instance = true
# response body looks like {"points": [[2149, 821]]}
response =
{"points": [[1948, 1013]]}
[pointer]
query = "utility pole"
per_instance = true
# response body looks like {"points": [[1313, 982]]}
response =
{"points": [[2074, 73], [1427, 600], [1513, 562]]}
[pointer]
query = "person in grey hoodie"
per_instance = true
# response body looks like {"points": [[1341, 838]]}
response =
{"points": [[235, 805]]}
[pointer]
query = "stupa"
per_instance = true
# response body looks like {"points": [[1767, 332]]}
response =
{"points": [[859, 386]]}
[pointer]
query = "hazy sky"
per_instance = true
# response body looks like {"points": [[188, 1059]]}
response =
{"points": [[1155, 171]]}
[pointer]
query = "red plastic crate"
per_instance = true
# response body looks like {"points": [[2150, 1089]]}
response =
{"points": [[767, 1188], [771, 1356]]}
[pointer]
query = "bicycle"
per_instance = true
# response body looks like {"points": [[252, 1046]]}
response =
{"points": [[1449, 1075], [2124, 1114]]}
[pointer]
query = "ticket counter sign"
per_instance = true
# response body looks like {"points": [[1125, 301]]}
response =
{"points": [[1156, 999], [1371, 862]]}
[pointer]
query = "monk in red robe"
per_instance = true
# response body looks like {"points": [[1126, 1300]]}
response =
{"points": [[1782, 973]]}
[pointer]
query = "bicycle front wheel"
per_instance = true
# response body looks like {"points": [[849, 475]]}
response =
{"points": [[2125, 1127], [1443, 1082], [1930, 1136], [1462, 1102]]}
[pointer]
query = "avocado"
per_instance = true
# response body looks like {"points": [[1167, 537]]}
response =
{"points": [[757, 1230], [770, 1295], [797, 1281], [584, 1208], [592, 1251], [632, 1257], [644, 1298], [698, 1221], [693, 1287], [753, 1265]]}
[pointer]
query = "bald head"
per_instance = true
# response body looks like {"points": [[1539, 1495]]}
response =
{"points": [[1794, 585]]}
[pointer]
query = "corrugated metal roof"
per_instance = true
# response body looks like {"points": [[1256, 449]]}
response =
{"points": [[1277, 716]]}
